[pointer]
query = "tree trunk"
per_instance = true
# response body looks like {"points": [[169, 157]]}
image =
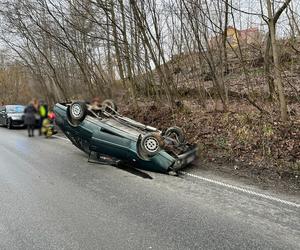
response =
{"points": [[226, 69], [267, 64], [130, 77], [277, 74], [116, 41]]}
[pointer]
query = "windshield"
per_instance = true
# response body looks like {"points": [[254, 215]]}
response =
{"points": [[15, 109]]}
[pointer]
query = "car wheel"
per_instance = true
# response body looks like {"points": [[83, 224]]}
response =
{"points": [[9, 124], [76, 113], [151, 144], [109, 103], [176, 134]]}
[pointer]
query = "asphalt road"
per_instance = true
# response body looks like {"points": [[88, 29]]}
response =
{"points": [[52, 198]]}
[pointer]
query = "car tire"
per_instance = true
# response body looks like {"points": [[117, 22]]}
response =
{"points": [[76, 113], [150, 144], [9, 124], [109, 103], [175, 133]]}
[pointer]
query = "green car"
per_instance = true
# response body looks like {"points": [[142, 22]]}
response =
{"points": [[104, 131]]}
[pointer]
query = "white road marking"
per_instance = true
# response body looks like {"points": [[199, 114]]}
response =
{"points": [[236, 188], [62, 138], [268, 197]]}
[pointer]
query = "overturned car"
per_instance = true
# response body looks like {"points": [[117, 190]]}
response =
{"points": [[104, 131]]}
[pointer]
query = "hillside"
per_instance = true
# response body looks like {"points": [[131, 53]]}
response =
{"points": [[240, 141]]}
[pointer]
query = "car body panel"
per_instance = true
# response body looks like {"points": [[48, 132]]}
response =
{"points": [[110, 137]]}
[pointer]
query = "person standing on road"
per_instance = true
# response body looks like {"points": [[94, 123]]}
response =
{"points": [[29, 119], [43, 112]]}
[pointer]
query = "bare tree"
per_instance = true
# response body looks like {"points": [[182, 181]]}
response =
{"points": [[273, 17]]}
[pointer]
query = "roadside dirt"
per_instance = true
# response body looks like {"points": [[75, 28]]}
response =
{"points": [[263, 177]]}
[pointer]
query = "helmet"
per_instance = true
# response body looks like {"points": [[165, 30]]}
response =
{"points": [[51, 116]]}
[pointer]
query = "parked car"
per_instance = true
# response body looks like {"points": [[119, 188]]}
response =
{"points": [[12, 116], [104, 131]]}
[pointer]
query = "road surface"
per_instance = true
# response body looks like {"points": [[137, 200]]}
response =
{"points": [[52, 198]]}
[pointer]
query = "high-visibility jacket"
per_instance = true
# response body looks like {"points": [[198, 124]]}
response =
{"points": [[43, 111]]}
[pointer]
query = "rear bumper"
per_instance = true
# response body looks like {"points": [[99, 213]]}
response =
{"points": [[185, 159]]}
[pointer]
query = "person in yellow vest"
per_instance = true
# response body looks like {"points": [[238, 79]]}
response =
{"points": [[43, 112]]}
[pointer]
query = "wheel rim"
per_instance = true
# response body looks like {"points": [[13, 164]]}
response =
{"points": [[151, 144], [76, 110]]}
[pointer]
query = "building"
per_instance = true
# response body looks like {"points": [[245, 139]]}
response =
{"points": [[235, 36]]}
